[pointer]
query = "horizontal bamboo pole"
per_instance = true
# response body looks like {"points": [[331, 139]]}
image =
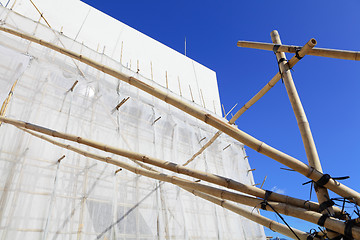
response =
{"points": [[171, 166], [303, 51], [251, 215], [330, 223], [321, 52], [194, 111]]}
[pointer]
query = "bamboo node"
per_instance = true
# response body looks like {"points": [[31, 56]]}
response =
{"points": [[144, 158], [259, 148], [207, 117], [228, 182], [311, 170]]}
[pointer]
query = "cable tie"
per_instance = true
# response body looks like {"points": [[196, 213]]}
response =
{"points": [[297, 50], [325, 205], [348, 228], [322, 220]]}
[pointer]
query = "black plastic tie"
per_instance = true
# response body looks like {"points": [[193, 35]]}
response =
{"points": [[267, 194], [348, 228], [322, 219], [325, 205], [264, 203], [276, 48], [281, 60], [323, 180], [297, 53]]}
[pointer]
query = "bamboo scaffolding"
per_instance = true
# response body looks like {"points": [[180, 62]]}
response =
{"points": [[304, 126], [266, 222], [321, 52], [194, 111], [303, 51], [310, 216], [211, 178]]}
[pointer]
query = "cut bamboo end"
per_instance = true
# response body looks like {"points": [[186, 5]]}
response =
{"points": [[59, 160]]}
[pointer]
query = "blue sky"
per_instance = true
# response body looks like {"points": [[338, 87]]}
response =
{"points": [[327, 87]]}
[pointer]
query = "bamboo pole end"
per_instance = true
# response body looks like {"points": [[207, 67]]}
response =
{"points": [[312, 42], [274, 34]]}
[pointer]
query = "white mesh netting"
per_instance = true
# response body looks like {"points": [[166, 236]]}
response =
{"points": [[81, 198]]}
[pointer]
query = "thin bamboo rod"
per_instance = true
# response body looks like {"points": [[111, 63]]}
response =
{"points": [[304, 127], [251, 215], [304, 50], [194, 111], [330, 223], [321, 52], [219, 180], [7, 100], [47, 23]]}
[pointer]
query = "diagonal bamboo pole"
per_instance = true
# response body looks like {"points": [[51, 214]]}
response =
{"points": [[321, 52], [266, 222], [303, 51], [309, 144], [7, 100], [211, 178], [330, 223], [192, 110]]}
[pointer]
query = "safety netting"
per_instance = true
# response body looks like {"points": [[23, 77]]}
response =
{"points": [[48, 192]]}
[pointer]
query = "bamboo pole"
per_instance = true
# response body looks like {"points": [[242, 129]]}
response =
{"points": [[310, 216], [304, 127], [7, 100], [321, 52], [304, 50], [232, 131], [211, 178], [266, 222]]}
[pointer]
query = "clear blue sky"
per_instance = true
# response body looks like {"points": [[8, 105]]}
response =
{"points": [[328, 88]]}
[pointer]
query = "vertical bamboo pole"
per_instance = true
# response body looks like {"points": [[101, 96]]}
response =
{"points": [[309, 144]]}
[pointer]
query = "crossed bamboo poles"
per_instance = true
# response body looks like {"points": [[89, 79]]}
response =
{"points": [[237, 134]]}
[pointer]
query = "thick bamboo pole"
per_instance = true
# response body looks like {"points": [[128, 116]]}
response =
{"points": [[303, 51], [330, 223], [192, 110], [211, 178], [321, 52], [304, 127], [251, 215], [301, 118]]}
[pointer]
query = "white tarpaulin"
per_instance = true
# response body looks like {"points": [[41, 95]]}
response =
{"points": [[81, 198]]}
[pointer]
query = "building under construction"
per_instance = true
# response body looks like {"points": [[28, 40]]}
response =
{"points": [[108, 134]]}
